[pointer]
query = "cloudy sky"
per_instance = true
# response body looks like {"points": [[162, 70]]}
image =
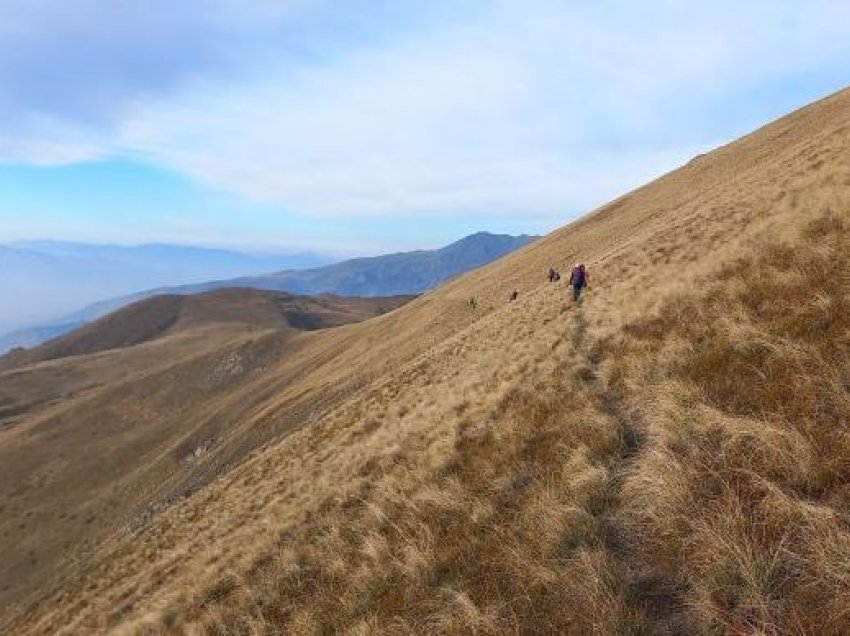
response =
{"points": [[358, 126]]}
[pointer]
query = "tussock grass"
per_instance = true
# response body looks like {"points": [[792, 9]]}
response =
{"points": [[689, 475], [505, 537], [742, 494]]}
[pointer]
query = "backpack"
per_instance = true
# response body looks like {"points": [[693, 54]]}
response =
{"points": [[578, 276]]}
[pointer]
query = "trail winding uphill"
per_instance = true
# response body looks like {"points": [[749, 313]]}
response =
{"points": [[669, 456]]}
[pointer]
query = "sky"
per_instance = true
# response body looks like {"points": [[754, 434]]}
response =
{"points": [[362, 126]]}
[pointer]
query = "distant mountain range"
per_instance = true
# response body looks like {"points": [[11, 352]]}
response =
{"points": [[44, 279], [388, 275]]}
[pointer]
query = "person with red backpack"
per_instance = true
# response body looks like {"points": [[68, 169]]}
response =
{"points": [[579, 280]]}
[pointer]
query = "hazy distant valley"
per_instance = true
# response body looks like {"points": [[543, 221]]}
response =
{"points": [[44, 280], [90, 281]]}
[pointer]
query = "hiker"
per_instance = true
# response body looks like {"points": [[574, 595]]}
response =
{"points": [[578, 280], [552, 274], [514, 296]]}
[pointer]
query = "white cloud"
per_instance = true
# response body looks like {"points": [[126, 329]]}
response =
{"points": [[72, 72], [518, 108]]}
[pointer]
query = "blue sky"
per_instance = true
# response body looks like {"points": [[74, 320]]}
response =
{"points": [[363, 126]]}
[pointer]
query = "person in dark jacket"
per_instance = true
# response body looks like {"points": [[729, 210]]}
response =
{"points": [[579, 279]]}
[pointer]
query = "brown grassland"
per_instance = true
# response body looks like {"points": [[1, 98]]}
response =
{"points": [[669, 456], [112, 423]]}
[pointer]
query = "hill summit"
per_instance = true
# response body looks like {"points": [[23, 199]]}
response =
{"points": [[163, 315], [671, 455]]}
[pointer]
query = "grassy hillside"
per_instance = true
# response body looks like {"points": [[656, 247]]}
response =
{"points": [[669, 456], [108, 425], [245, 309]]}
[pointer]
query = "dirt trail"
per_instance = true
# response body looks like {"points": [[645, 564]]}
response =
{"points": [[659, 599]]}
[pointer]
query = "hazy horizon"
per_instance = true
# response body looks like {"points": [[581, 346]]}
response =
{"points": [[48, 279], [365, 127], [261, 249], [53, 280]]}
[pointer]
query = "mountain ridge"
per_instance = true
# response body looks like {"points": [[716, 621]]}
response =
{"points": [[162, 315], [413, 273]]}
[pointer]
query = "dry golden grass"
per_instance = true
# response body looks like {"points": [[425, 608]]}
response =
{"points": [[701, 483], [96, 433], [742, 494], [669, 457]]}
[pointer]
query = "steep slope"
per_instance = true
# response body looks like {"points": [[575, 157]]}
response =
{"points": [[103, 426], [668, 456]]}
